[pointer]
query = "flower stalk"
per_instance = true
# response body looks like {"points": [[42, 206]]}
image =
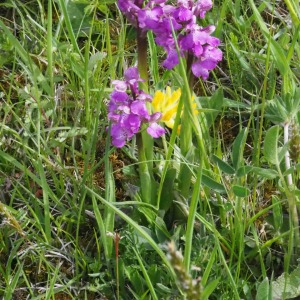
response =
{"points": [[144, 141]]}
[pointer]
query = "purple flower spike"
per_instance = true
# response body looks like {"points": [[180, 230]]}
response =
{"points": [[163, 17]]}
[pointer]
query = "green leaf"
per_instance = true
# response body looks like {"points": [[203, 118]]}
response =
{"points": [[240, 191], [167, 195], [209, 266], [239, 105], [209, 289], [263, 290], [215, 104], [225, 167], [238, 148], [161, 230], [80, 21], [212, 184], [13, 282], [282, 151], [287, 286], [270, 145], [95, 59], [277, 213], [265, 173]]}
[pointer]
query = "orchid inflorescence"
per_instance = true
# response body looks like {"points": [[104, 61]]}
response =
{"points": [[128, 111], [164, 19]]}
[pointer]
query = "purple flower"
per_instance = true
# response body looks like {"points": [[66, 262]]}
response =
{"points": [[132, 123], [118, 96], [163, 18], [119, 135], [172, 59], [209, 61], [127, 112], [155, 117], [165, 40], [149, 18], [119, 85], [155, 130], [132, 75], [130, 8], [183, 14], [202, 6], [139, 108]]}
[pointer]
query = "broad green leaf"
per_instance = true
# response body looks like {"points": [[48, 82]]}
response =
{"points": [[287, 286], [225, 167], [263, 290], [163, 288], [215, 103], [277, 213], [238, 148], [149, 214], [239, 105], [95, 59], [212, 184], [63, 6], [80, 21], [161, 230], [240, 191], [265, 173], [270, 145]]}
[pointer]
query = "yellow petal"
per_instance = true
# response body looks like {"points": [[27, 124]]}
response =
{"points": [[158, 100], [173, 98], [170, 123], [171, 113]]}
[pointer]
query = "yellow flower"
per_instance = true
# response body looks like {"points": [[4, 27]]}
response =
{"points": [[167, 104]]}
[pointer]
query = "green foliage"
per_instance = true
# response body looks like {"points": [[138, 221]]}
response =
{"points": [[271, 145], [74, 223], [287, 285]]}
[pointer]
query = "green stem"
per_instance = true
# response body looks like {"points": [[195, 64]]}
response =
{"points": [[143, 170], [186, 144], [142, 46], [191, 217], [144, 141]]}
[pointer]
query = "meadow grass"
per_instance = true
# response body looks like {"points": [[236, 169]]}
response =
{"points": [[221, 218]]}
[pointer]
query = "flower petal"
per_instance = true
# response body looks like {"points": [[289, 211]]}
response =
{"points": [[155, 130]]}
